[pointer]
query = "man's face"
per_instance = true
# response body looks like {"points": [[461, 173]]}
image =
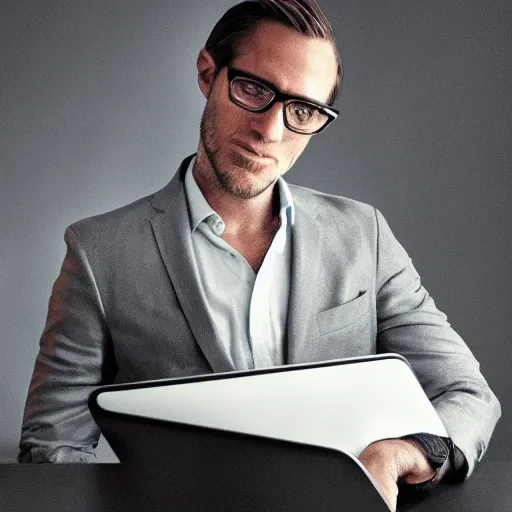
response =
{"points": [[248, 151]]}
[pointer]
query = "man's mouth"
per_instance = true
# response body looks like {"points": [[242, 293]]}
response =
{"points": [[254, 151]]}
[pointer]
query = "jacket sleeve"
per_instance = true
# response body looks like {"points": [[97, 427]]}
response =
{"points": [[75, 356], [410, 324]]}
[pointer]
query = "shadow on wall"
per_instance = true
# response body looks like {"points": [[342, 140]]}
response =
{"points": [[8, 453]]}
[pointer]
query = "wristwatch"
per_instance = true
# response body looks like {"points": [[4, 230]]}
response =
{"points": [[435, 448]]}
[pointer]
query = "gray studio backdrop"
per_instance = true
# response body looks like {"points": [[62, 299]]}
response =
{"points": [[99, 104]]}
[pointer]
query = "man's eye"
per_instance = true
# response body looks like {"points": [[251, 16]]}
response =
{"points": [[303, 113], [254, 90]]}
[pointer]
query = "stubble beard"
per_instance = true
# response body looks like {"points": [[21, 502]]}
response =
{"points": [[226, 181]]}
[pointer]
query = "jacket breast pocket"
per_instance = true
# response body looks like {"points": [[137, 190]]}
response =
{"points": [[343, 316]]}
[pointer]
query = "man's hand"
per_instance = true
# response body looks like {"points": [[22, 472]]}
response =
{"points": [[391, 460]]}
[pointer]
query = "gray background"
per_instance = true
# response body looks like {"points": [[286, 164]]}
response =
{"points": [[99, 104]]}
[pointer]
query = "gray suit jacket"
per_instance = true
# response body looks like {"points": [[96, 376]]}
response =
{"points": [[128, 305]]}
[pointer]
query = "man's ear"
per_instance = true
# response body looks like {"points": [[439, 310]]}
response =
{"points": [[205, 72]]}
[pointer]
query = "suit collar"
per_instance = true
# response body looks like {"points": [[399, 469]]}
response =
{"points": [[165, 199], [171, 227], [307, 241]]}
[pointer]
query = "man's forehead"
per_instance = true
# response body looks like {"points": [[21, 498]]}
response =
{"points": [[295, 63]]}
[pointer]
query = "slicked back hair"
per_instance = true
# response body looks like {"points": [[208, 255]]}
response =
{"points": [[239, 22]]}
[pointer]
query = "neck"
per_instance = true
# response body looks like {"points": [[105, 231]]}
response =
{"points": [[242, 217]]}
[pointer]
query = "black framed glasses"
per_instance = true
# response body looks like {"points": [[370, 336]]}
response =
{"points": [[301, 115]]}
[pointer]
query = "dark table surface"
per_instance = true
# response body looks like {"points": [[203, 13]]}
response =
{"points": [[103, 487]]}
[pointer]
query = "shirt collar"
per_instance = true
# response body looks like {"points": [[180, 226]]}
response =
{"points": [[198, 206], [285, 198], [200, 209], [286, 215]]}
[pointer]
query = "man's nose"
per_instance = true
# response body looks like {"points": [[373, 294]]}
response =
{"points": [[270, 124]]}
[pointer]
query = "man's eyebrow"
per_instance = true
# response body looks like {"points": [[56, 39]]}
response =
{"points": [[273, 86]]}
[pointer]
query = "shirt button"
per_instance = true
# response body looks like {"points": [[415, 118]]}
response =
{"points": [[216, 225]]}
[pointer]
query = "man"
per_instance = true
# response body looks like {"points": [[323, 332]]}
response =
{"points": [[229, 268]]}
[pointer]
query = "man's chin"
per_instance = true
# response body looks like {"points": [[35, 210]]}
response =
{"points": [[245, 186]]}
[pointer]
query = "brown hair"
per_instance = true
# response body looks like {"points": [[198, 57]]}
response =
{"points": [[241, 20]]}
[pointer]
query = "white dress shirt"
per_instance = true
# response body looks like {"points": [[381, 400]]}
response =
{"points": [[248, 309]]}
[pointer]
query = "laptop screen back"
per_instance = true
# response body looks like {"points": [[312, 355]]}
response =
{"points": [[344, 405]]}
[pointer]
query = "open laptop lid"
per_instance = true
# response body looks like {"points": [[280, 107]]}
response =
{"points": [[343, 404]]}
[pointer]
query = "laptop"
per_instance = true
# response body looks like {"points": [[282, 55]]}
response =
{"points": [[281, 438]]}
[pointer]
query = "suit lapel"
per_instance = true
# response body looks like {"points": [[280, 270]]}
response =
{"points": [[307, 236], [171, 226]]}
